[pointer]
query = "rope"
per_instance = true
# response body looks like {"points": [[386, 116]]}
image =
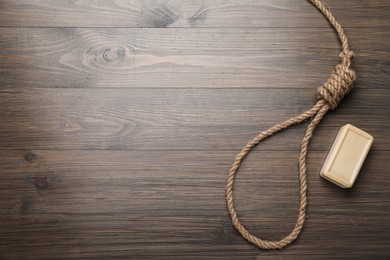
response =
{"points": [[329, 96]]}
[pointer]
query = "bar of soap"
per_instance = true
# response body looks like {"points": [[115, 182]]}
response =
{"points": [[346, 157]]}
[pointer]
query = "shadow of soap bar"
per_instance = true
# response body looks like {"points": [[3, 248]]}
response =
{"points": [[346, 157]]}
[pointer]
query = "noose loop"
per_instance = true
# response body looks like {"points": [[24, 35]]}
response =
{"points": [[329, 96]]}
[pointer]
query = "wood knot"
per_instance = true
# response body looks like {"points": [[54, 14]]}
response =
{"points": [[337, 86], [113, 54], [30, 156], [39, 182]]}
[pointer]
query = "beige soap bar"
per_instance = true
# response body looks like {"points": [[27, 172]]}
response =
{"points": [[346, 156]]}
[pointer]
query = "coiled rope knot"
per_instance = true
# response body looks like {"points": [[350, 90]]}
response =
{"points": [[330, 94], [337, 86]]}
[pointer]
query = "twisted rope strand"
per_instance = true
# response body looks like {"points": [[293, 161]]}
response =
{"points": [[329, 96], [346, 54]]}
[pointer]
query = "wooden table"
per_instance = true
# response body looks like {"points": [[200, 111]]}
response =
{"points": [[120, 120]]}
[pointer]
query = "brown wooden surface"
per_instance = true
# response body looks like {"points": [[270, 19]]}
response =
{"points": [[120, 120]]}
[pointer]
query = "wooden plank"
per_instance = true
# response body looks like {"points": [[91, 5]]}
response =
{"points": [[190, 13], [127, 204], [184, 58], [176, 119], [119, 121]]}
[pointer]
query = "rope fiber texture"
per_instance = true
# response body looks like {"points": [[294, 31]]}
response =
{"points": [[329, 96]]}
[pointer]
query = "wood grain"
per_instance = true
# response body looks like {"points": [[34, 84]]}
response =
{"points": [[179, 204], [185, 58], [164, 119], [119, 121], [189, 13]]}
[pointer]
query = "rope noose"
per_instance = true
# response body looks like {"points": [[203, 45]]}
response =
{"points": [[329, 96]]}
